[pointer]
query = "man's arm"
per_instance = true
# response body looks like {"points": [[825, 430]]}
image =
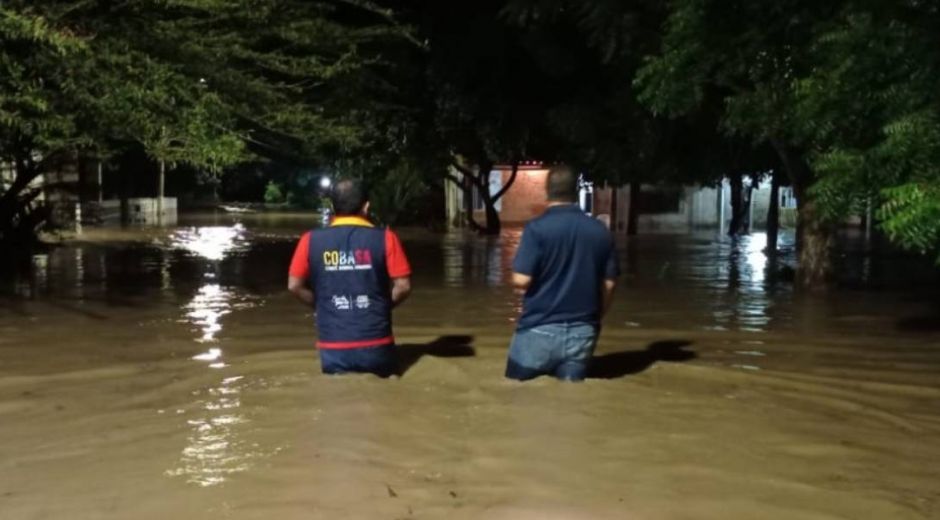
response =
{"points": [[298, 287], [607, 295], [401, 289], [611, 272], [299, 271], [521, 281], [399, 270], [526, 262]]}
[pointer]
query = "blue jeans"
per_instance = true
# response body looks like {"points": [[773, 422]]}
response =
{"points": [[562, 350], [381, 361]]}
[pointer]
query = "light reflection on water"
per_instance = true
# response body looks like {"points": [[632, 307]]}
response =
{"points": [[214, 449], [210, 242], [469, 260], [740, 279], [206, 310], [212, 301]]}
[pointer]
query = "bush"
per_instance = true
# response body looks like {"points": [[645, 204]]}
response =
{"points": [[400, 197], [273, 193]]}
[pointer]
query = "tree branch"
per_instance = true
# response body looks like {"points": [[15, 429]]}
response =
{"points": [[462, 169], [453, 178], [509, 183]]}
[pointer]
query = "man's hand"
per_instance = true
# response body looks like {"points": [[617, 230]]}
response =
{"points": [[401, 288], [521, 281], [607, 295], [298, 286]]}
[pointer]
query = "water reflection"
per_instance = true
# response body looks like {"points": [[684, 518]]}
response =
{"points": [[40, 274], [206, 310], [214, 449], [744, 291], [212, 301], [201, 273], [470, 260], [211, 242]]}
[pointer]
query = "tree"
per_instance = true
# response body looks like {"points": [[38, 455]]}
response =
{"points": [[488, 95], [838, 89], [207, 82], [599, 124], [872, 111], [30, 49]]}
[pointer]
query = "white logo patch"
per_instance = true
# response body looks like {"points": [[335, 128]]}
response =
{"points": [[341, 303]]}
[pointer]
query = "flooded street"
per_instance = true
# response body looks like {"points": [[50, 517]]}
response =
{"points": [[153, 374]]}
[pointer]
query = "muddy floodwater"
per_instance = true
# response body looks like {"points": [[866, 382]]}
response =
{"points": [[154, 374]]}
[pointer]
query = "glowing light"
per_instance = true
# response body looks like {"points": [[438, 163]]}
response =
{"points": [[325, 183], [211, 243]]}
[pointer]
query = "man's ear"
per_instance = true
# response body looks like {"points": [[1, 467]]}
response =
{"points": [[365, 207]]}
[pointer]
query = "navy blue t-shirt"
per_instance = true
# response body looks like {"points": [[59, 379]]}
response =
{"points": [[568, 255]]}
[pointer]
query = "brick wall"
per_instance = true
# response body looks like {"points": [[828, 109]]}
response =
{"points": [[526, 198]]}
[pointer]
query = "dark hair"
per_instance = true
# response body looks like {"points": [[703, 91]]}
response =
{"points": [[562, 184], [349, 196]]}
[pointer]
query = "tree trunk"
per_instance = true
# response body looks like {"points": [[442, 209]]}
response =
{"points": [[633, 212], [161, 186], [815, 269], [100, 182], [747, 223], [466, 190], [481, 183], [125, 198], [466, 183], [814, 235], [23, 177], [773, 215], [737, 204], [493, 225], [19, 220]]}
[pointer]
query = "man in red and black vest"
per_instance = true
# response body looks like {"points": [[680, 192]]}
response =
{"points": [[354, 274]]}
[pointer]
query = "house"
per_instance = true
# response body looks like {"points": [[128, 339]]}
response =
{"points": [[661, 209], [680, 209], [73, 189]]}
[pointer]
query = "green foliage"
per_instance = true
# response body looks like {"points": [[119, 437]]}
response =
{"points": [[849, 87], [401, 196], [590, 52], [32, 54], [206, 83], [273, 193], [911, 216]]}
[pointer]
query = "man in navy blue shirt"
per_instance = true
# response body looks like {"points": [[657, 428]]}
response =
{"points": [[567, 264]]}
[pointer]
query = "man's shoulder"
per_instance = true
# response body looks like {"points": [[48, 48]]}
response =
{"points": [[567, 219], [596, 225]]}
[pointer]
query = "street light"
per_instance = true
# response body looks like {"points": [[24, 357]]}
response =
{"points": [[325, 183]]}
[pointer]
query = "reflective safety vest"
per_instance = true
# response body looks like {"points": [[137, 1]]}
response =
{"points": [[351, 285]]}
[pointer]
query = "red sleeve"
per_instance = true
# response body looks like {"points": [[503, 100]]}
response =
{"points": [[300, 263], [395, 258]]}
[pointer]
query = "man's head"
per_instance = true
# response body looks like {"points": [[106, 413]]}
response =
{"points": [[350, 197], [562, 184]]}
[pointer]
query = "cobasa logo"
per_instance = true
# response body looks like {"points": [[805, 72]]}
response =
{"points": [[334, 260]]}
